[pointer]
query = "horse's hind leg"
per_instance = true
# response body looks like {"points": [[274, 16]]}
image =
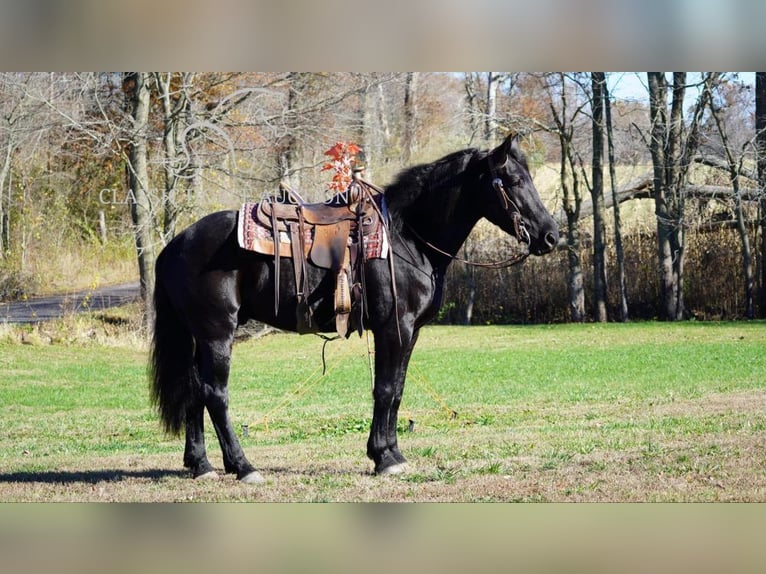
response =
{"points": [[195, 456], [213, 359]]}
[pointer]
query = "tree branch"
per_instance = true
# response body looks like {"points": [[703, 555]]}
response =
{"points": [[643, 189], [720, 163]]}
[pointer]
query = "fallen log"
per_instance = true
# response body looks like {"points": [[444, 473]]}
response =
{"points": [[643, 189]]}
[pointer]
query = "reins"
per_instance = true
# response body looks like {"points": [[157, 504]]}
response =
{"points": [[490, 265]]}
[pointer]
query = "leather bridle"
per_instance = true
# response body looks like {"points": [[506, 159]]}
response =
{"points": [[519, 228]]}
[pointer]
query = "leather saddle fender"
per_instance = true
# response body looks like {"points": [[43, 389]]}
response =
{"points": [[330, 243]]}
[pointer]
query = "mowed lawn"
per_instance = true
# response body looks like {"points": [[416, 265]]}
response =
{"points": [[636, 412]]}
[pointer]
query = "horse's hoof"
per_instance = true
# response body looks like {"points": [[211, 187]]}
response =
{"points": [[252, 478], [394, 469], [209, 475]]}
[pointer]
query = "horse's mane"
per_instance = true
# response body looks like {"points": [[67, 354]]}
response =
{"points": [[414, 183]]}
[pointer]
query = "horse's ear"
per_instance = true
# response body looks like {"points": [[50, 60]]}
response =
{"points": [[513, 144], [500, 153]]}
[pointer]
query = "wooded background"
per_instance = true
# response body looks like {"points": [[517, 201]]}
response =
{"points": [[659, 196]]}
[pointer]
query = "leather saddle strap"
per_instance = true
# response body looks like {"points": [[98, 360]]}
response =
{"points": [[358, 259], [303, 313], [275, 231], [302, 242], [298, 259]]}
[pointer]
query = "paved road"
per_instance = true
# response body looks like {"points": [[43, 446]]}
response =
{"points": [[46, 308]]}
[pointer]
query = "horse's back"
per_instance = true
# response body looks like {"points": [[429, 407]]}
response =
{"points": [[202, 240]]}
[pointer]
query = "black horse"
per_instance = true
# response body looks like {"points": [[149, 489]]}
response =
{"points": [[206, 285]]}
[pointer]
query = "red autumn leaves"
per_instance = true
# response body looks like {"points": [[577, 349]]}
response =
{"points": [[343, 156]]}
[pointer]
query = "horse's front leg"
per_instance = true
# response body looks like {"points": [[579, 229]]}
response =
{"points": [[391, 360]]}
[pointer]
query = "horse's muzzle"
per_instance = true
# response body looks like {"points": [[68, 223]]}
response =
{"points": [[546, 243]]}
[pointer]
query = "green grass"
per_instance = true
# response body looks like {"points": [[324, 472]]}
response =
{"points": [[643, 411]]}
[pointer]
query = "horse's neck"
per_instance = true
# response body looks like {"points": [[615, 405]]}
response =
{"points": [[447, 229], [454, 235]]}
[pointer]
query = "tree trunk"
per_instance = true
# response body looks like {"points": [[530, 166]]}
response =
{"points": [[572, 203], [367, 131], [760, 138], [470, 284], [383, 115], [675, 188], [5, 170], [747, 255], [672, 146], [620, 251], [662, 161], [410, 95], [288, 149], [490, 118], [598, 80], [138, 104], [471, 104], [23, 187], [734, 170], [572, 199], [575, 284], [173, 108], [102, 226], [381, 108]]}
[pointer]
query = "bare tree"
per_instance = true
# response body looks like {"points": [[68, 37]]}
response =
{"points": [[672, 147], [137, 104], [12, 112], [410, 109], [288, 148], [381, 107], [760, 138], [490, 117], [302, 115], [173, 93], [470, 81], [564, 121], [620, 251], [734, 164], [373, 118], [598, 82], [21, 121]]}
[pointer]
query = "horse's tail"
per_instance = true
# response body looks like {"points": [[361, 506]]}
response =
{"points": [[173, 370]]}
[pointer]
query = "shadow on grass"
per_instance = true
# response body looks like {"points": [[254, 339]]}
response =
{"points": [[89, 476], [155, 475]]}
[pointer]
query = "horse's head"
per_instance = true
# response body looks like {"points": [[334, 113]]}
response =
{"points": [[515, 205]]}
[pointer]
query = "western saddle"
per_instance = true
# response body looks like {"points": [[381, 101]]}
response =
{"points": [[329, 235]]}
